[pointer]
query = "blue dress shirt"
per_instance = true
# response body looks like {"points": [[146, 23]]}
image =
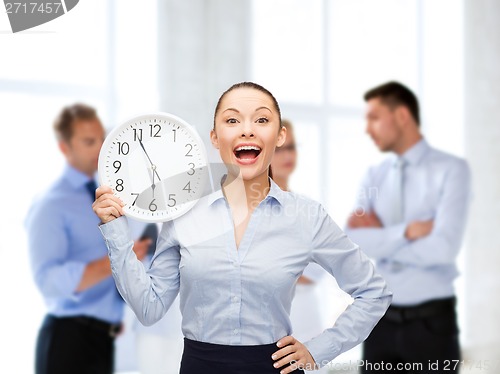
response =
{"points": [[242, 296], [436, 187], [64, 238]]}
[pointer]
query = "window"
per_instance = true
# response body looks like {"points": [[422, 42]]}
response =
{"points": [[101, 53]]}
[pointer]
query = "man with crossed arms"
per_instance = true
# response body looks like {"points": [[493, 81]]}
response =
{"points": [[410, 218]]}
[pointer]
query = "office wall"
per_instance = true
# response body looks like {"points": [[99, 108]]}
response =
{"points": [[482, 139]]}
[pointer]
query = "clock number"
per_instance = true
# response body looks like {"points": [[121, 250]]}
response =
{"points": [[188, 153], [175, 132], [171, 200], [123, 148], [137, 135], [117, 165], [119, 185], [153, 206], [187, 187], [191, 169], [136, 197], [156, 128]]}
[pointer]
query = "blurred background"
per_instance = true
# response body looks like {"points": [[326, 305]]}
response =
{"points": [[318, 57]]}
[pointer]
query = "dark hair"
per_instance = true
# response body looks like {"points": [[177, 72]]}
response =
{"points": [[395, 94], [257, 87], [64, 123]]}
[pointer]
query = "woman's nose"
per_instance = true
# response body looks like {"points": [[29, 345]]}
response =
{"points": [[247, 130]]}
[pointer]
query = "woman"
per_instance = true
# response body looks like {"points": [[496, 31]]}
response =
{"points": [[285, 158], [305, 314], [236, 256]]}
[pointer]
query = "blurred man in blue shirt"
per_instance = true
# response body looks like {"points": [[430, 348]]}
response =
{"points": [[69, 258], [410, 218]]}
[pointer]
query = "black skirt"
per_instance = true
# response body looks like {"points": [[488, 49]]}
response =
{"points": [[207, 358]]}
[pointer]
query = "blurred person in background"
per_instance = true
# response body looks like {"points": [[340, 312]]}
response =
{"points": [[305, 313], [410, 218], [69, 258]]}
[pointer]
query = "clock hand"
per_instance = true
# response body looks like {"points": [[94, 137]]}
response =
{"points": [[153, 166], [153, 186]]}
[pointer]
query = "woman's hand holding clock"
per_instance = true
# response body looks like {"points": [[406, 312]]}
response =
{"points": [[107, 206], [131, 158]]}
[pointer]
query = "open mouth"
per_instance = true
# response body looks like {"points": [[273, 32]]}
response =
{"points": [[247, 152]]}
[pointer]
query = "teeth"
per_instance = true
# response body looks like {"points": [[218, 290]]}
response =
{"points": [[247, 148]]}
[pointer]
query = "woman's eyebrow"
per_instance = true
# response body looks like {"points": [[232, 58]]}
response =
{"points": [[263, 107], [231, 109], [237, 111]]}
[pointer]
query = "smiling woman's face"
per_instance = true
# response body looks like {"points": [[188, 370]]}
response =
{"points": [[247, 131]]}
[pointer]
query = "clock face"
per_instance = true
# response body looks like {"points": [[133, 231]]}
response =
{"points": [[156, 164]]}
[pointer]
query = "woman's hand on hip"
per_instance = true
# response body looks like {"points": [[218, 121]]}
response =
{"points": [[294, 353]]}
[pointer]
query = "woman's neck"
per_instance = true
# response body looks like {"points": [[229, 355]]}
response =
{"points": [[246, 193]]}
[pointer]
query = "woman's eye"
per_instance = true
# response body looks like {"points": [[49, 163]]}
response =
{"points": [[231, 120], [262, 120]]}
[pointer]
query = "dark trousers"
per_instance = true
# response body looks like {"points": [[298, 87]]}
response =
{"points": [[419, 339], [207, 358], [68, 345]]}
